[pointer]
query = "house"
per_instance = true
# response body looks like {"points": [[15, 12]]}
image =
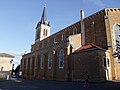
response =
{"points": [[5, 65]]}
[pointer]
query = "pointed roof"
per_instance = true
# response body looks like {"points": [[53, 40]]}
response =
{"points": [[6, 55], [88, 47], [43, 18]]}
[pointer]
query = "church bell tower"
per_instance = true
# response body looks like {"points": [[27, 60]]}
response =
{"points": [[43, 27]]}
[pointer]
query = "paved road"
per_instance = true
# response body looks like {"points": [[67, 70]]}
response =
{"points": [[56, 85]]}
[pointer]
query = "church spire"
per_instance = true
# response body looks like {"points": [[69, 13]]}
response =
{"points": [[43, 27], [44, 18]]}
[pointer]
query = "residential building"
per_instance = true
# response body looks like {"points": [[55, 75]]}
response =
{"points": [[5, 65]]}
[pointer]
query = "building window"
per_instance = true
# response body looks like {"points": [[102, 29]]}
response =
{"points": [[63, 37], [44, 32], [48, 42], [38, 61], [55, 40], [117, 34], [106, 62], [61, 59], [49, 60], [74, 31], [30, 62], [43, 44], [42, 61], [117, 40], [37, 35]]}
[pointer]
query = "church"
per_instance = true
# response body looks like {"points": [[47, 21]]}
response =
{"points": [[90, 45]]}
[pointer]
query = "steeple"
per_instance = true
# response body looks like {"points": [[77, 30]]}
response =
{"points": [[43, 18], [43, 27]]}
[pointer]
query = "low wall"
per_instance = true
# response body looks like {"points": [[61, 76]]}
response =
{"points": [[4, 75]]}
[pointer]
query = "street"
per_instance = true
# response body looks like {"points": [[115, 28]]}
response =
{"points": [[56, 85]]}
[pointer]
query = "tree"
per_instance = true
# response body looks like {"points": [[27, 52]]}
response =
{"points": [[17, 69]]}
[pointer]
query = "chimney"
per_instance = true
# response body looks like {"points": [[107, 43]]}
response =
{"points": [[82, 27], [82, 14]]}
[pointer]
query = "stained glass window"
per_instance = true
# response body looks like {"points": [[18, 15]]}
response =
{"points": [[61, 59]]}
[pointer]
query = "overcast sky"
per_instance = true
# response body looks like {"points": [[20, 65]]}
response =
{"points": [[18, 19]]}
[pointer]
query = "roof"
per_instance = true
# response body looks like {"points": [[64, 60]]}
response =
{"points": [[101, 11], [43, 18], [6, 55], [89, 47]]}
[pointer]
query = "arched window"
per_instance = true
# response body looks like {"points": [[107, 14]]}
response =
{"points": [[43, 44], [61, 59], [37, 35], [48, 42], [117, 33], [55, 40], [116, 40], [74, 31], [33, 64], [106, 62], [44, 32], [42, 61], [49, 60], [63, 37]]}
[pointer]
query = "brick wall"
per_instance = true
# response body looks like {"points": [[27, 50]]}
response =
{"points": [[97, 31], [88, 61]]}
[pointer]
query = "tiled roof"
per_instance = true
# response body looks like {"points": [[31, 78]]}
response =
{"points": [[88, 47], [6, 55]]}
